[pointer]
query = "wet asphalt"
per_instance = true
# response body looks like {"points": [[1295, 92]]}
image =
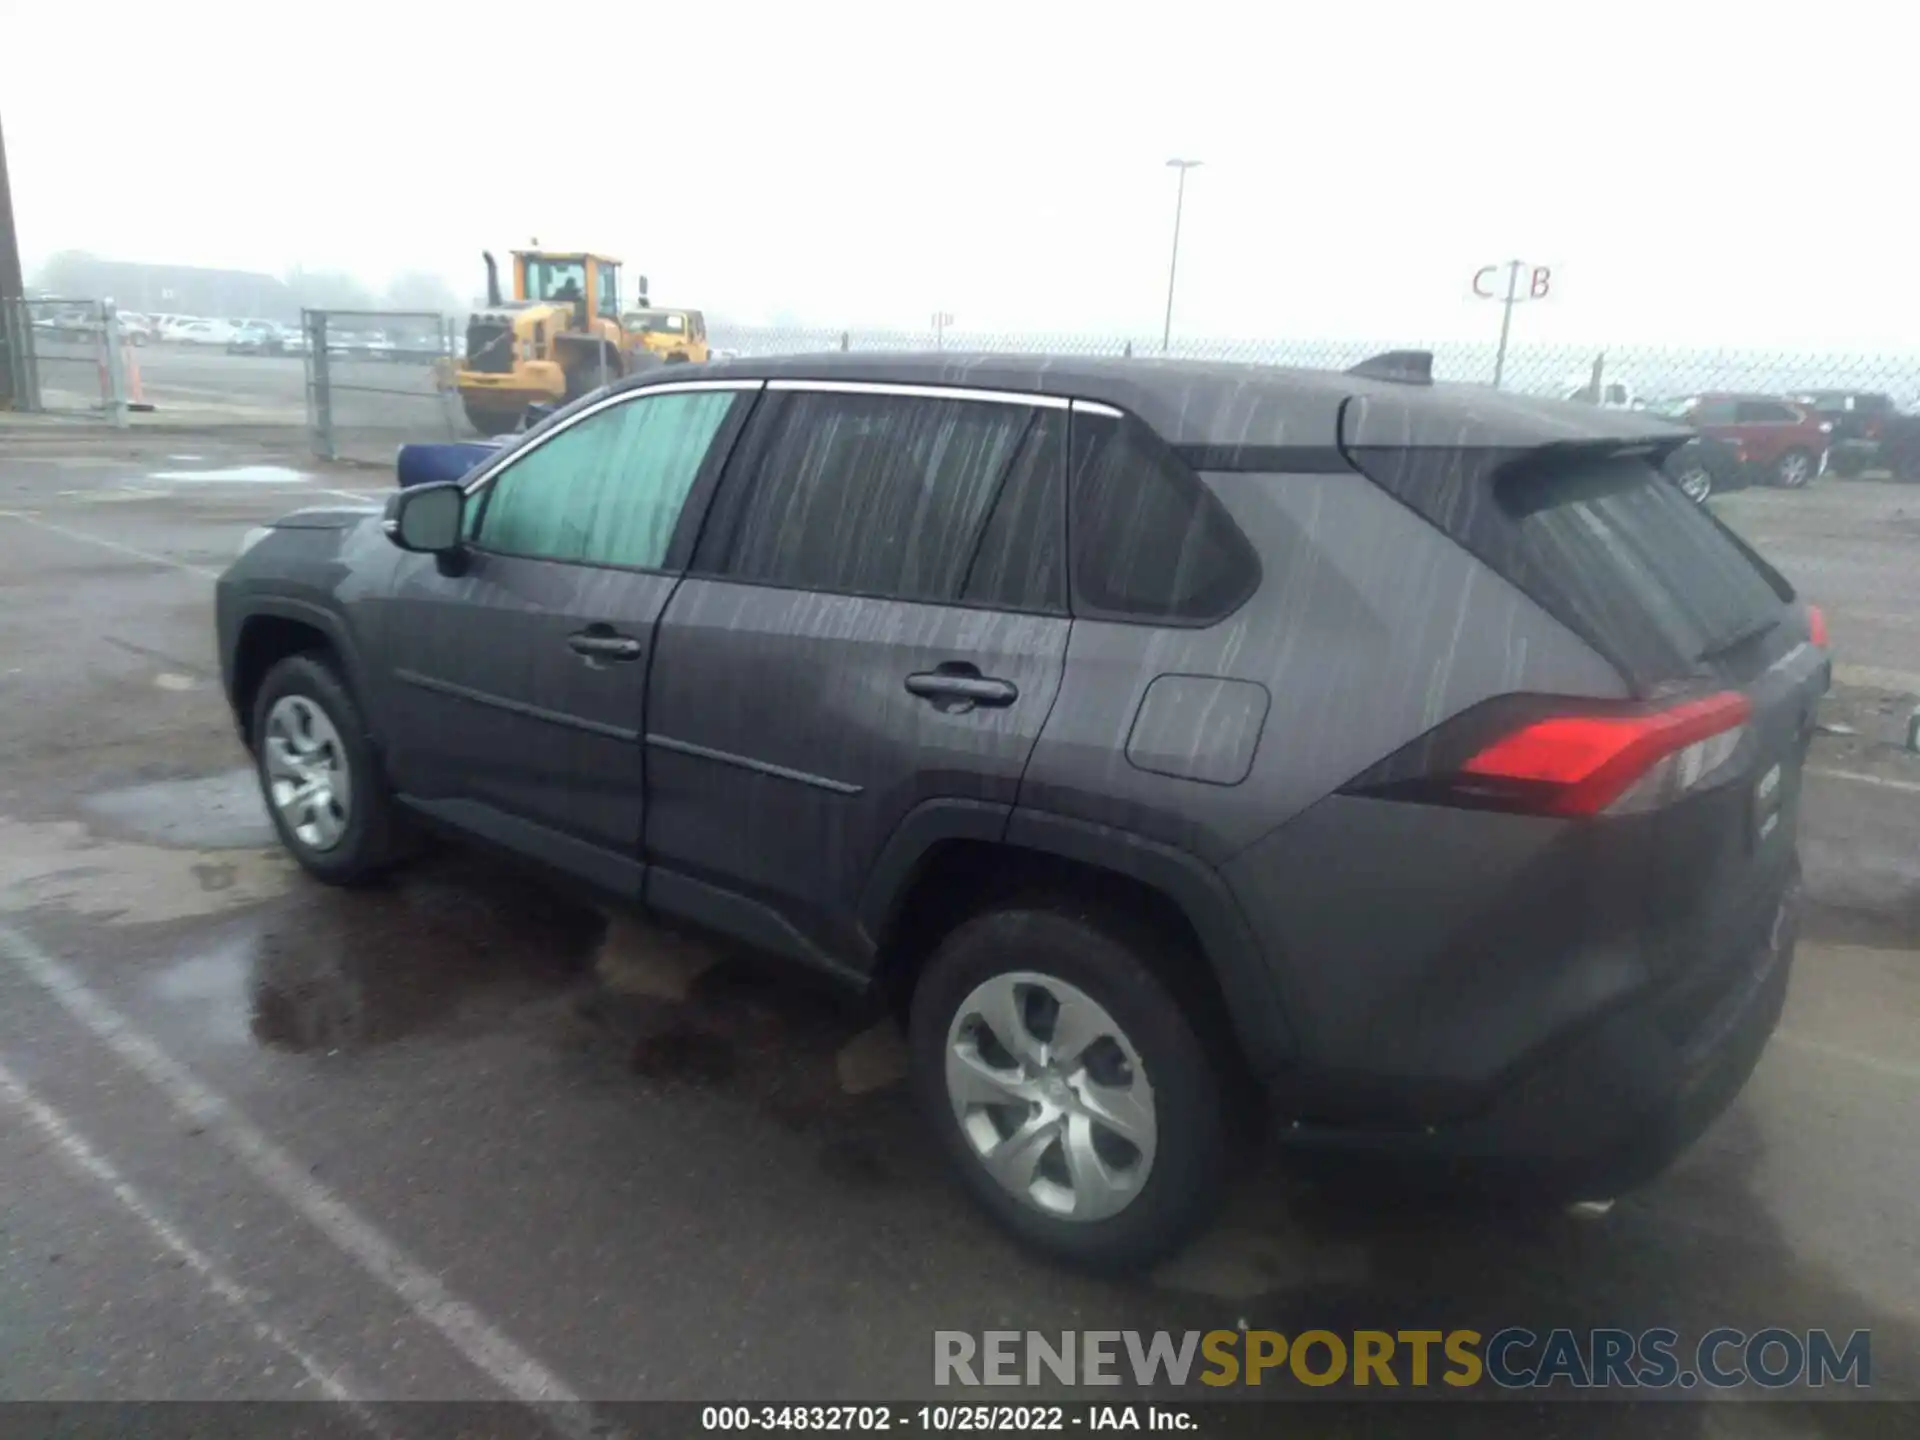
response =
{"points": [[462, 1137]]}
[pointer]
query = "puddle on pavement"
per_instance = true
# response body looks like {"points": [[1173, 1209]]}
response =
{"points": [[233, 475], [213, 812], [457, 945]]}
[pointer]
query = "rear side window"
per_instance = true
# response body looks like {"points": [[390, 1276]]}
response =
{"points": [[1764, 412], [863, 494], [1149, 541]]}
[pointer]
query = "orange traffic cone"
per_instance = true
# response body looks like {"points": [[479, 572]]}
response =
{"points": [[130, 367]]}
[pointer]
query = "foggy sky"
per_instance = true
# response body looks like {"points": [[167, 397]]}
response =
{"points": [[1695, 172]]}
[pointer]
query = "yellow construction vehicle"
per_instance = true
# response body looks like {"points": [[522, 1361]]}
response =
{"points": [[671, 336], [558, 338]]}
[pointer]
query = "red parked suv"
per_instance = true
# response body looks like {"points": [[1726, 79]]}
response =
{"points": [[1781, 442]]}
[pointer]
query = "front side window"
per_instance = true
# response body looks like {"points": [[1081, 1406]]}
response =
{"points": [[607, 490], [556, 279], [1765, 412], [609, 297], [873, 494]]}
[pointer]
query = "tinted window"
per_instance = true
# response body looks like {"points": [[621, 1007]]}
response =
{"points": [[1715, 412], [1764, 412], [1612, 549], [1148, 540], [1641, 570], [872, 494], [608, 489], [1021, 560]]}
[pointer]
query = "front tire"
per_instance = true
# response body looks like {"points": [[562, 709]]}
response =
{"points": [[1794, 470], [1069, 1087], [490, 422], [318, 773]]}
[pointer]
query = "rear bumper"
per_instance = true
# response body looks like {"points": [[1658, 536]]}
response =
{"points": [[1613, 1104]]}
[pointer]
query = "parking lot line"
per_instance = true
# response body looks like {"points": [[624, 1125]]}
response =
{"points": [[486, 1347], [70, 1143], [83, 537], [1856, 777], [1880, 1064]]}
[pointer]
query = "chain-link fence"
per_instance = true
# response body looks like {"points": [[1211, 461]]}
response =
{"points": [[59, 356], [365, 382], [1626, 373], [376, 379]]}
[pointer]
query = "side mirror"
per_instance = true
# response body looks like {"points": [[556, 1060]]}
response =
{"points": [[426, 519]]}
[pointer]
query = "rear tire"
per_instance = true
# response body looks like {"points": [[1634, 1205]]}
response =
{"points": [[1794, 470], [319, 776], [1695, 482], [1124, 1110]]}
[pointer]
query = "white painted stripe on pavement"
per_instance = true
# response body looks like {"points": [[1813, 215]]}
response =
{"points": [[70, 1143], [1880, 1064], [147, 555], [1876, 677], [465, 1328], [1856, 777]]}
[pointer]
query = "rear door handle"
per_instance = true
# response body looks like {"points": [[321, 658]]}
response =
{"points": [[970, 689], [596, 644]]}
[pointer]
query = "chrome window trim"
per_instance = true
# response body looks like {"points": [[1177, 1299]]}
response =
{"points": [[922, 392], [1096, 407], [495, 466]]}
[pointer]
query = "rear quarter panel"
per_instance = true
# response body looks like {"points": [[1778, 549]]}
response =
{"points": [[1368, 629]]}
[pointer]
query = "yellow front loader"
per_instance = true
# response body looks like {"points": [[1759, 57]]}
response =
{"points": [[556, 339]]}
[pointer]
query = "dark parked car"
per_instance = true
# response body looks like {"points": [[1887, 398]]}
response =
{"points": [[1781, 442], [1704, 465], [257, 337], [1413, 756], [1860, 421]]}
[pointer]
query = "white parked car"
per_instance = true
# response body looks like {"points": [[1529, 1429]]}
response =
{"points": [[204, 332]]}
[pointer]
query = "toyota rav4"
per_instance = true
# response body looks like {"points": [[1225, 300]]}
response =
{"points": [[1416, 758]]}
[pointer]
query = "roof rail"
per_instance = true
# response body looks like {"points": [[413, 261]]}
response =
{"points": [[1401, 367]]}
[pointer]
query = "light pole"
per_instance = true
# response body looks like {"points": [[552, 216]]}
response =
{"points": [[1173, 265]]}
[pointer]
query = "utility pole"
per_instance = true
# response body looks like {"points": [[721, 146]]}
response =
{"points": [[1539, 286], [13, 320], [1173, 265], [1506, 322]]}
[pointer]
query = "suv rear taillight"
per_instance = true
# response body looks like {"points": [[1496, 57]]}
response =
{"points": [[1817, 626], [1607, 764]]}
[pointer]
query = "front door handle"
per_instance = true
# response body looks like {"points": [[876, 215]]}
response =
{"points": [[957, 688], [603, 644]]}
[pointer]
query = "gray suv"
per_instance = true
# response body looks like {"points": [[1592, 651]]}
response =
{"points": [[1413, 758]]}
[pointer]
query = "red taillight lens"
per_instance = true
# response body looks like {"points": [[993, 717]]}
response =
{"points": [[1817, 626], [1587, 764]]}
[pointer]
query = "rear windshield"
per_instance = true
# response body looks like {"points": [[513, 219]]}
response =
{"points": [[1642, 571], [1610, 547]]}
